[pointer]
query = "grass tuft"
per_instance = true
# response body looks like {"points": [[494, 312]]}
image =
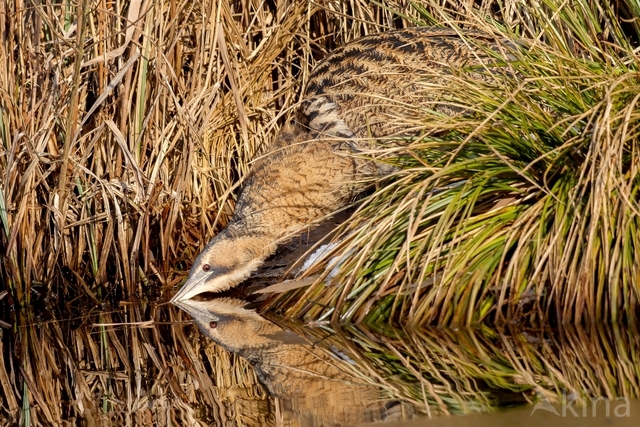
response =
{"points": [[523, 209]]}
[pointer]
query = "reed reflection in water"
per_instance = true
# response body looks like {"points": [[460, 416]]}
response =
{"points": [[148, 364]]}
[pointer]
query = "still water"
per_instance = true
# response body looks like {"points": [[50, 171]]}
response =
{"points": [[218, 362]]}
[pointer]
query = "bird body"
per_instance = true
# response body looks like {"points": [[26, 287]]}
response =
{"points": [[360, 95]]}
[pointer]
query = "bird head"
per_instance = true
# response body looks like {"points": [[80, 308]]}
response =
{"points": [[226, 261]]}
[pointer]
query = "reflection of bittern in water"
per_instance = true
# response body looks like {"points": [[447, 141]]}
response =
{"points": [[372, 88], [311, 387]]}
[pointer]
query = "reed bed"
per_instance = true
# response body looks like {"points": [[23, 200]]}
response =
{"points": [[126, 126], [126, 130]]}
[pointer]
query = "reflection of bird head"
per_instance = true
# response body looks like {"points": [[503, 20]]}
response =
{"points": [[237, 329], [314, 387]]}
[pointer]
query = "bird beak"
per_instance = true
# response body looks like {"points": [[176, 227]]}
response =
{"points": [[193, 286], [215, 280]]}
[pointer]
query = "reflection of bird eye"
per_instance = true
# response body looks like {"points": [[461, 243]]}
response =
{"points": [[206, 267], [213, 324]]}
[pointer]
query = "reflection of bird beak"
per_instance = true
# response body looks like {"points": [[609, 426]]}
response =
{"points": [[216, 308], [199, 310]]}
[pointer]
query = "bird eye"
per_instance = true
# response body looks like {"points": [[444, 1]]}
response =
{"points": [[206, 267], [213, 324]]}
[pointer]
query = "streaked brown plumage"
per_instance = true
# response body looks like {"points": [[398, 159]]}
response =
{"points": [[359, 93]]}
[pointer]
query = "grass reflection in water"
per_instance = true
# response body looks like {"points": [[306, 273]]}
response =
{"points": [[146, 363]]}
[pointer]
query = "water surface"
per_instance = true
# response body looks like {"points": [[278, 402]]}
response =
{"points": [[218, 362]]}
